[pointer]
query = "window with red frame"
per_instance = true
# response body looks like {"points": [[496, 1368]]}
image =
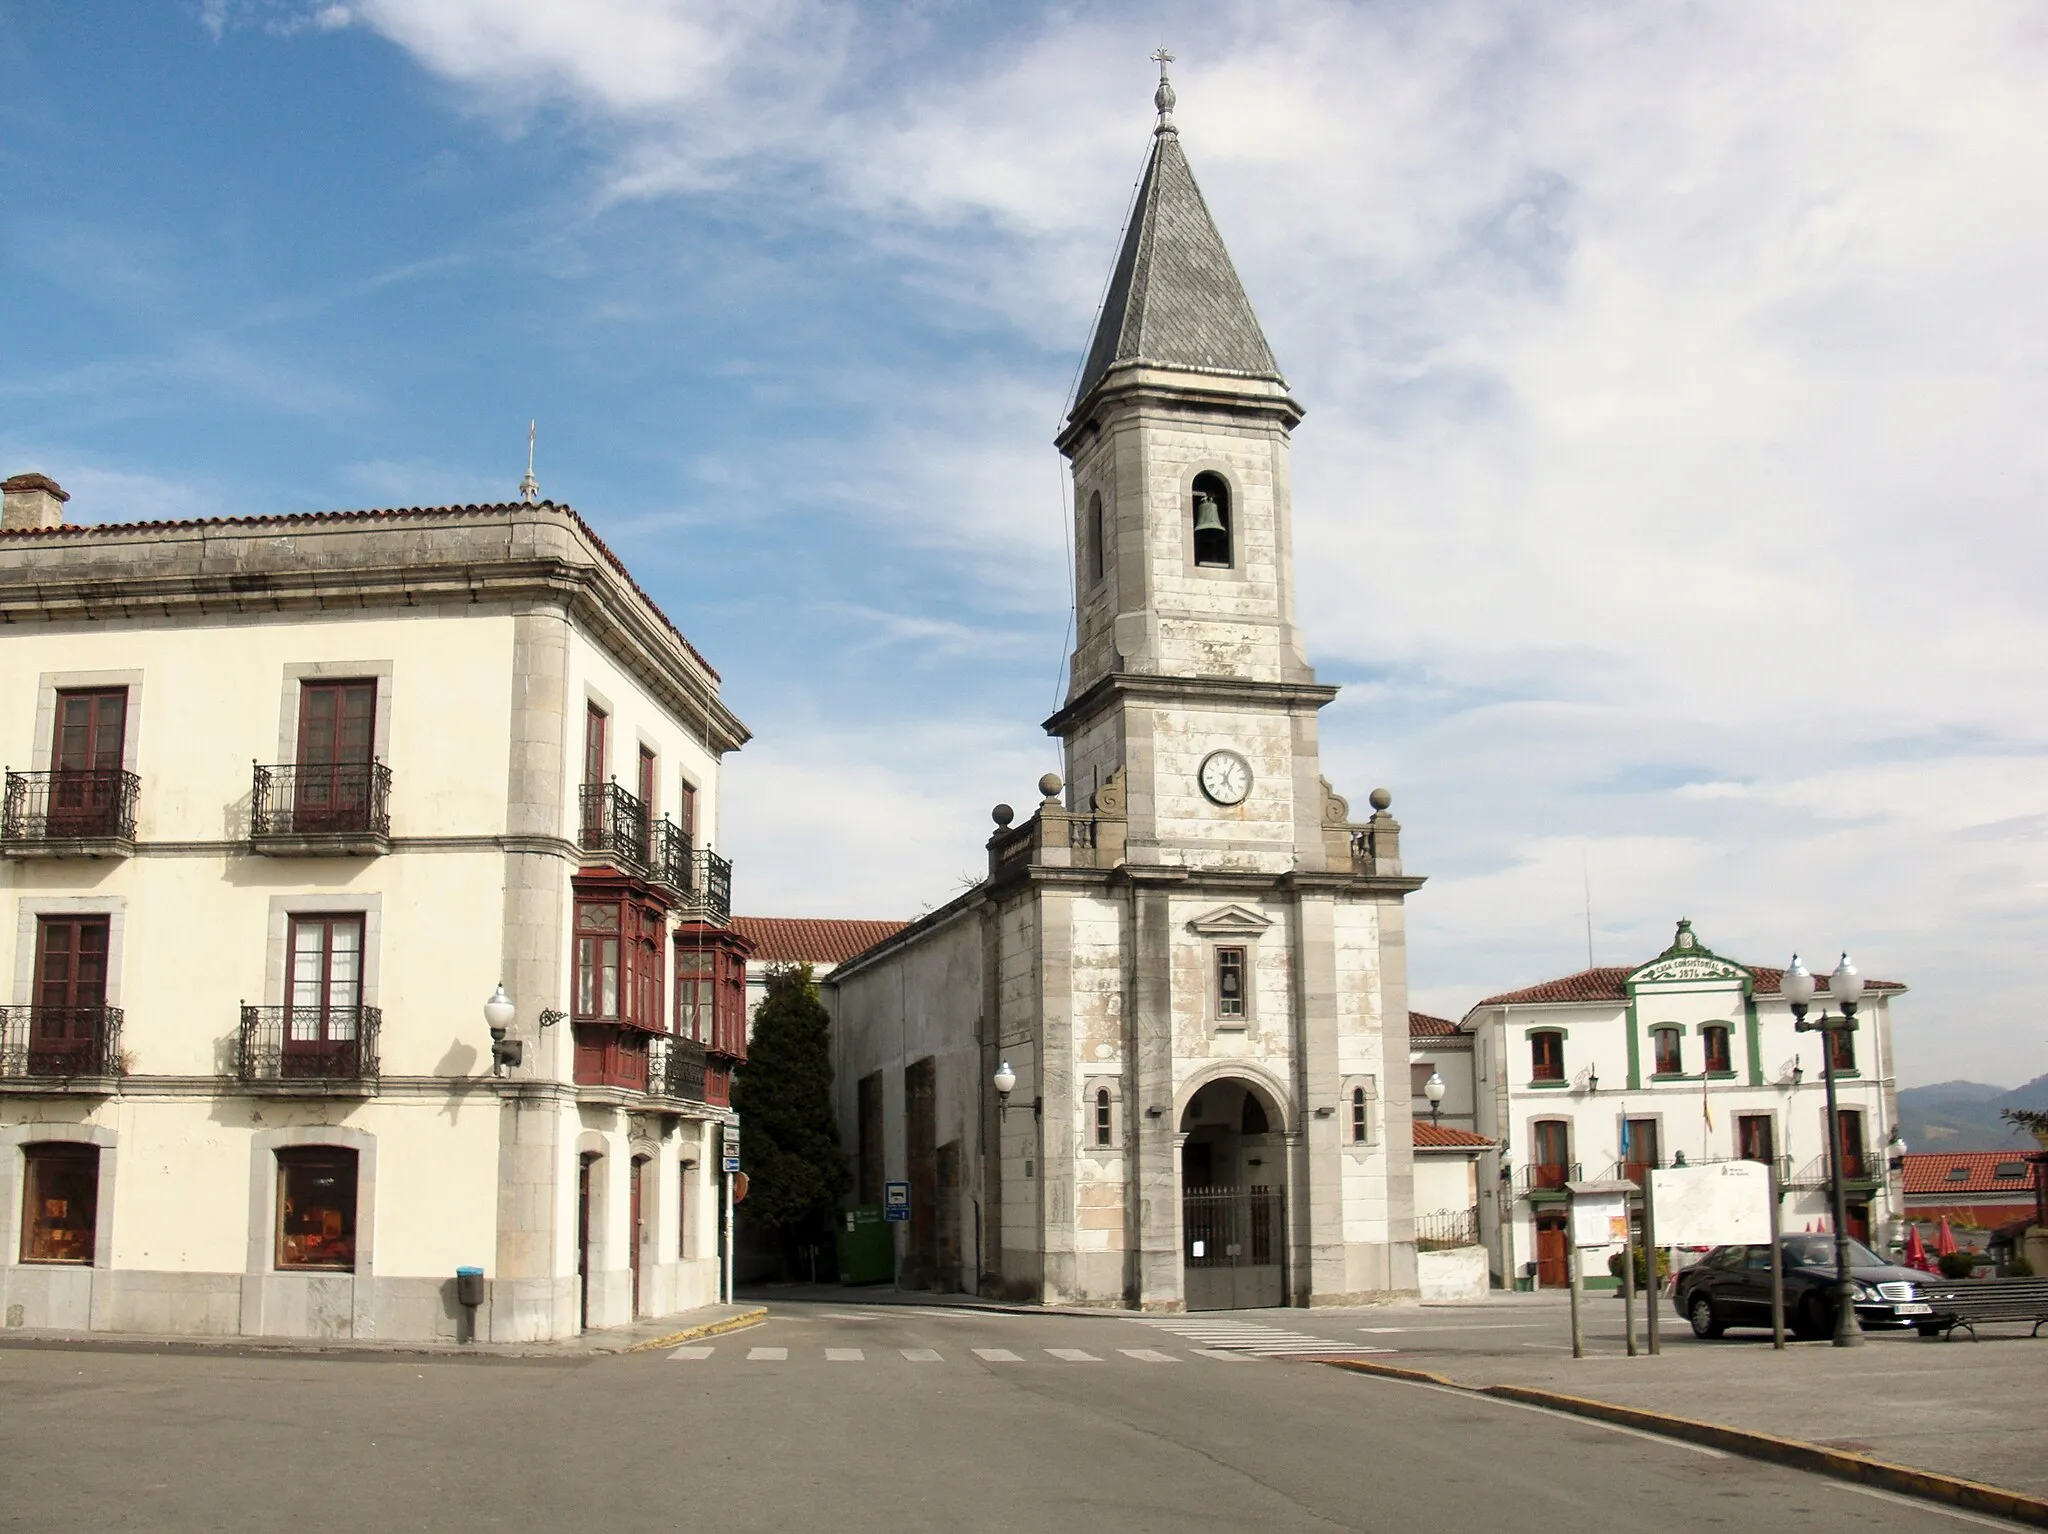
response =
{"points": [[711, 995], [618, 961]]}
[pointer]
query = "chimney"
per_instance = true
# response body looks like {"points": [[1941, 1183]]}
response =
{"points": [[30, 503]]}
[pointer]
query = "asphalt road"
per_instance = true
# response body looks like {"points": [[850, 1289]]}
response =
{"points": [[851, 1417]]}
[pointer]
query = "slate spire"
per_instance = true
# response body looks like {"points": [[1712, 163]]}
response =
{"points": [[1174, 300]]}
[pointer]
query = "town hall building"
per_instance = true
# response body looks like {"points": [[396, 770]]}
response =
{"points": [[1144, 1060]]}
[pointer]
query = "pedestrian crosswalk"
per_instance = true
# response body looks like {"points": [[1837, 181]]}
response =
{"points": [[1223, 1335], [705, 1352]]}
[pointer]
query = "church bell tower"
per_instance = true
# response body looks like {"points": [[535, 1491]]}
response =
{"points": [[1188, 676]]}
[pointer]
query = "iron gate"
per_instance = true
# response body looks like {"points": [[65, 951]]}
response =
{"points": [[1234, 1247]]}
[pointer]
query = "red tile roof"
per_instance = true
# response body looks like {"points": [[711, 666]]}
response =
{"points": [[811, 939], [1930, 1171], [1422, 1026], [1430, 1136], [1608, 982], [371, 514]]}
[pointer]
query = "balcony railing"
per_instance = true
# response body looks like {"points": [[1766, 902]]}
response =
{"points": [[1447, 1228], [675, 1068], [59, 1043], [1857, 1167], [1542, 1178], [1632, 1170], [344, 801], [614, 823], [699, 875], [45, 811], [308, 1046]]}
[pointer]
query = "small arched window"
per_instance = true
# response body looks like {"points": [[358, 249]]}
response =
{"points": [[1669, 1052], [1358, 1118], [1546, 1055], [1213, 527], [1102, 1119], [1098, 536], [1714, 1045]]}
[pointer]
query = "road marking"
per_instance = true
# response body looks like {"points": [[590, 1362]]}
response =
{"points": [[691, 1353], [844, 1356], [1223, 1357], [767, 1355], [1931, 1507], [1257, 1339], [951, 1312], [1148, 1355], [841, 1315], [922, 1355], [997, 1356], [1483, 1326], [1073, 1356]]}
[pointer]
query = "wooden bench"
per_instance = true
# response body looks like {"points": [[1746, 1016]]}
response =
{"points": [[1968, 1301]]}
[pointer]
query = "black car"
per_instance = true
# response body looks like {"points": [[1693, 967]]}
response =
{"points": [[1731, 1286]]}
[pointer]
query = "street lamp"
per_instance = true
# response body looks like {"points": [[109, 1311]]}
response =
{"points": [[1434, 1090], [1845, 989], [1005, 1084], [498, 1015]]}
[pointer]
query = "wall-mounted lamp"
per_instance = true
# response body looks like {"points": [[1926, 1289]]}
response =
{"points": [[498, 1015], [1325, 1111], [1798, 1071], [1592, 1080], [1005, 1081]]}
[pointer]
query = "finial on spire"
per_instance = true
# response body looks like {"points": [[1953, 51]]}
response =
{"points": [[529, 487], [1163, 97]]}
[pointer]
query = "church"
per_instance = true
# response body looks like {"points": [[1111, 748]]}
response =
{"points": [[1145, 1061]]}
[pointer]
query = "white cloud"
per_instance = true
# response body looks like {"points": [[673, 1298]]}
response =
{"points": [[1674, 390]]}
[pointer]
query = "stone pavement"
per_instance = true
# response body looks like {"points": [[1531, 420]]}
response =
{"points": [[657, 1331], [1975, 1410]]}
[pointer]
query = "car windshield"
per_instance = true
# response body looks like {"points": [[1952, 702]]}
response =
{"points": [[1819, 1252]]}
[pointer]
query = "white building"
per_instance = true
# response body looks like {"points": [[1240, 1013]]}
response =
{"points": [[1689, 1055], [1190, 958], [286, 799]]}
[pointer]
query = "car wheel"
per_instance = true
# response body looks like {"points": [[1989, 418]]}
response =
{"points": [[1810, 1320], [1705, 1322]]}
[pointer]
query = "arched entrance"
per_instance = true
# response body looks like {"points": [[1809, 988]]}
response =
{"points": [[1233, 1198]]}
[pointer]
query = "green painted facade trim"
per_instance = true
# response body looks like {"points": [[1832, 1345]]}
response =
{"points": [[1635, 1052], [1756, 1043], [1548, 1086]]}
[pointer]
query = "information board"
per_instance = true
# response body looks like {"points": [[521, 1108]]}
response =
{"points": [[1724, 1203], [896, 1200], [1599, 1219]]}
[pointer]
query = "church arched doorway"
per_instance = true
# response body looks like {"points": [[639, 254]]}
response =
{"points": [[1233, 1182]]}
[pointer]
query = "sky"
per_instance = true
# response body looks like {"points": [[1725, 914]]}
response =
{"points": [[1669, 504]]}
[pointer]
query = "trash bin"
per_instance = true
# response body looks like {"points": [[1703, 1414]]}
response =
{"points": [[866, 1246]]}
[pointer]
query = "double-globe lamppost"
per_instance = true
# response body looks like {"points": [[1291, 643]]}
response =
{"points": [[1845, 990]]}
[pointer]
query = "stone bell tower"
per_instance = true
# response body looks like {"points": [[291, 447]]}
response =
{"points": [[1188, 674]]}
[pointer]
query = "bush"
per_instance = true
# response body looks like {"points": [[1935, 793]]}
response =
{"points": [[2019, 1267], [1956, 1264], [1663, 1264]]}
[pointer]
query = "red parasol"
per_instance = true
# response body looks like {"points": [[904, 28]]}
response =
{"points": [[1916, 1251], [1944, 1239]]}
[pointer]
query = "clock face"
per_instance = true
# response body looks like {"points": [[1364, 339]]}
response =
{"points": [[1225, 777]]}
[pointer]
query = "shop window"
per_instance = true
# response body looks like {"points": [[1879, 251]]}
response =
{"points": [[60, 1203], [1546, 1055], [316, 1208]]}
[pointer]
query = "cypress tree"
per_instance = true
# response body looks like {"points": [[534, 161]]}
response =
{"points": [[796, 1169]]}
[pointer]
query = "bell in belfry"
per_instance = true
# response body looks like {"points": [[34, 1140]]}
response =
{"points": [[1207, 518]]}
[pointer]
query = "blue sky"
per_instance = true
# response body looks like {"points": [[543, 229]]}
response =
{"points": [[1669, 500]]}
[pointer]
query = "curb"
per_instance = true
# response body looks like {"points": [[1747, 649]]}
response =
{"points": [[1928, 1485], [740, 1322]]}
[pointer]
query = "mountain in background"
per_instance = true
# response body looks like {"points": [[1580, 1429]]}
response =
{"points": [[1963, 1115]]}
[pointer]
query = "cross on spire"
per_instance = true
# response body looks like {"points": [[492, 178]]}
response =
{"points": [[529, 487], [1163, 97]]}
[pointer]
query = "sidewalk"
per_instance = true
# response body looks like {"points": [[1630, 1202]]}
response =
{"points": [[649, 1333]]}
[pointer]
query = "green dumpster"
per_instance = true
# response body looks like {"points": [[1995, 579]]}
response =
{"points": [[867, 1247]]}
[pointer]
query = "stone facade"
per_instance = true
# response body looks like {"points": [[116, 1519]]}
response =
{"points": [[485, 634], [1189, 955]]}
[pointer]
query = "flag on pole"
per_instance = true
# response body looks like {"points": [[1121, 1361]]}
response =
{"points": [[1706, 1103]]}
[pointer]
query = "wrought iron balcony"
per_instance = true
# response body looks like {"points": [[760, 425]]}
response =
{"points": [[310, 1049], [69, 813], [700, 876], [675, 1068], [614, 824], [1546, 1179], [299, 810], [1446, 1229], [47, 1045], [1858, 1170]]}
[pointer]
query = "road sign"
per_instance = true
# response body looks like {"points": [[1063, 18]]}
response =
{"points": [[739, 1188], [732, 1147], [896, 1200]]}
